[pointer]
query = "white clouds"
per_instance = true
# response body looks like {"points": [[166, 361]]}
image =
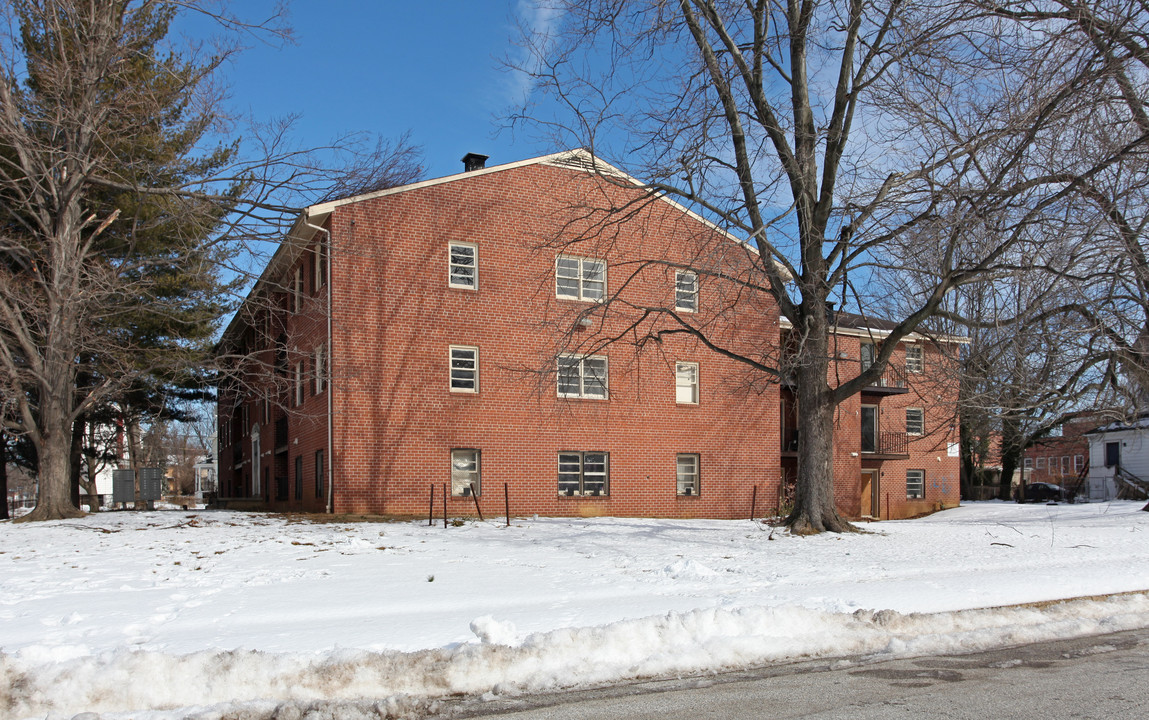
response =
{"points": [[538, 21]]}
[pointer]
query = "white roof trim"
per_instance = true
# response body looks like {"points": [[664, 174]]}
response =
{"points": [[579, 160], [327, 207], [879, 334]]}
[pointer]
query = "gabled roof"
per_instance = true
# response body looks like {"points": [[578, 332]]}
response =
{"points": [[310, 221]]}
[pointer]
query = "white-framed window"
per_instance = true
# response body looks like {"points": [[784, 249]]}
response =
{"points": [[915, 421], [914, 361], [464, 369], [580, 278], [867, 353], [688, 474], [297, 290], [266, 408], [584, 473], [1041, 463], [685, 291], [686, 383], [298, 384], [463, 265], [320, 369], [1078, 463], [465, 472], [1064, 464], [1028, 463], [582, 376], [915, 484]]}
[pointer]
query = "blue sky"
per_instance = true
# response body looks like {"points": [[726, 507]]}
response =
{"points": [[431, 68]]}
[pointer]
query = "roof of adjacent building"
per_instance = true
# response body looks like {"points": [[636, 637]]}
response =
{"points": [[1139, 423]]}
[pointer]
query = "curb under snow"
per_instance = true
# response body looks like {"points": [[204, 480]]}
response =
{"points": [[210, 685]]}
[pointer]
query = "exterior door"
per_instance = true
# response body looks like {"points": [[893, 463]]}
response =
{"points": [[1112, 454], [871, 492], [869, 428]]}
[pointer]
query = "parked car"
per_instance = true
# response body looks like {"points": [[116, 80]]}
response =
{"points": [[1043, 492]]}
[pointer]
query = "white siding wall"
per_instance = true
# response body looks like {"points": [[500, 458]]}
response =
{"points": [[1134, 459]]}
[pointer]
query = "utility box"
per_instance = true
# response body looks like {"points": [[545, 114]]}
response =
{"points": [[151, 484], [123, 486]]}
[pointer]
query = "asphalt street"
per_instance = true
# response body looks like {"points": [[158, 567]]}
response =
{"points": [[1095, 677]]}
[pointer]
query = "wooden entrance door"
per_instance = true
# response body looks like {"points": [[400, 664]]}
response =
{"points": [[871, 507]]}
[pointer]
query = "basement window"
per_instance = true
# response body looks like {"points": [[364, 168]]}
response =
{"points": [[465, 475], [584, 473], [915, 484], [687, 474]]}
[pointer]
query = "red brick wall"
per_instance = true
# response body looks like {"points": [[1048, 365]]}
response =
{"points": [[396, 420], [302, 331], [934, 392]]}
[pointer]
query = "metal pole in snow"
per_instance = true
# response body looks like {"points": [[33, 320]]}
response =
{"points": [[431, 509], [753, 502], [475, 497], [507, 503], [444, 506]]}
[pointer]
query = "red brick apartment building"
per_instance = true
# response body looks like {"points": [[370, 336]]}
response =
{"points": [[493, 329]]}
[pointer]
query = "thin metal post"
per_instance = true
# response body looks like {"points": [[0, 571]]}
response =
{"points": [[475, 497]]}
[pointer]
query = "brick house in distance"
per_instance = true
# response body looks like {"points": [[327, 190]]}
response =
{"points": [[1061, 459], [496, 329]]}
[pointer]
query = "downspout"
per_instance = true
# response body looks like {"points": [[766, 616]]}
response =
{"points": [[328, 371]]}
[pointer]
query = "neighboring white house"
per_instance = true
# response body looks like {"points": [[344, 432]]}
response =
{"points": [[1118, 454]]}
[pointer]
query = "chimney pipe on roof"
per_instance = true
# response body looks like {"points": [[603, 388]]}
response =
{"points": [[474, 161]]}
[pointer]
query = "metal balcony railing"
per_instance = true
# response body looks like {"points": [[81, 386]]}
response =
{"points": [[887, 443], [893, 377]]}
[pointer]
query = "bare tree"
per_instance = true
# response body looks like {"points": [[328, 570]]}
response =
{"points": [[106, 149], [1107, 215], [1030, 365], [862, 148]]}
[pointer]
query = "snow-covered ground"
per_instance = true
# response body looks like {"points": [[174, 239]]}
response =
{"points": [[215, 614]]}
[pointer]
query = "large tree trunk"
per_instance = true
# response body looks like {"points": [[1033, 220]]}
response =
{"points": [[969, 470], [53, 441], [814, 508], [54, 487], [1011, 450]]}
